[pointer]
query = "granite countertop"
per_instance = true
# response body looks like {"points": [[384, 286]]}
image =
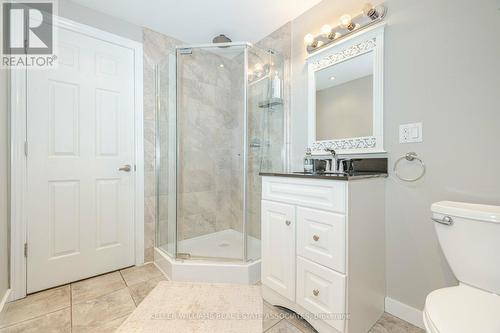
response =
{"points": [[331, 176]]}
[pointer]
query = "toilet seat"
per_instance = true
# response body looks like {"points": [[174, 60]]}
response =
{"points": [[462, 309]]}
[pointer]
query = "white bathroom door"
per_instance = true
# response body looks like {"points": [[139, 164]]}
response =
{"points": [[80, 132]]}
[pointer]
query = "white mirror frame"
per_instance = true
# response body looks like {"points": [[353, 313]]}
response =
{"points": [[369, 40]]}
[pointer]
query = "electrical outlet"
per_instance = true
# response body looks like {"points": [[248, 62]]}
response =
{"points": [[410, 133]]}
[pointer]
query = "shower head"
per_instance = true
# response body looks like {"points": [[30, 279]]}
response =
{"points": [[221, 39]]}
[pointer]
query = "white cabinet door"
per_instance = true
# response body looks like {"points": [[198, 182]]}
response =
{"points": [[278, 248], [80, 132]]}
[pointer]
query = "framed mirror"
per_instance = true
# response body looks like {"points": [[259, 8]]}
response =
{"points": [[345, 109]]}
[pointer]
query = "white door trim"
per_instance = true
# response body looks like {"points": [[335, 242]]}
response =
{"points": [[19, 187]]}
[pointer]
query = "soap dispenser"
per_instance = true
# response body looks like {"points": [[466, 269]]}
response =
{"points": [[308, 161]]}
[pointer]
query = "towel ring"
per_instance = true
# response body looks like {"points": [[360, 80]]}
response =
{"points": [[409, 157]]}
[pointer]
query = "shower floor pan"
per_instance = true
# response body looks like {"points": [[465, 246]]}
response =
{"points": [[225, 247]]}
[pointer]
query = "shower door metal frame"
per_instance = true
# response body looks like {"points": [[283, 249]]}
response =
{"points": [[246, 46]]}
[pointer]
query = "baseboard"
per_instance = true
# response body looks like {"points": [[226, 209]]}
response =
{"points": [[404, 311], [4, 299]]}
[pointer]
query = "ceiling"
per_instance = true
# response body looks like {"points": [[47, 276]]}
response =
{"points": [[198, 21], [345, 71]]}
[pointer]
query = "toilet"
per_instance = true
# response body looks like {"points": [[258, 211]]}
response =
{"points": [[469, 235]]}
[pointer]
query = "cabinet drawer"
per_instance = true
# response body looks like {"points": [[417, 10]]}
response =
{"points": [[322, 291], [314, 193], [321, 237]]}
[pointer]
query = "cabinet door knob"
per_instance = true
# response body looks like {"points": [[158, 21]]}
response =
{"points": [[316, 238], [288, 222], [315, 292]]}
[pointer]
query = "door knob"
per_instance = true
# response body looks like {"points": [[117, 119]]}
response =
{"points": [[316, 238], [288, 222], [315, 292], [126, 168]]}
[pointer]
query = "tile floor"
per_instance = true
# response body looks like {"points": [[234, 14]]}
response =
{"points": [[101, 304]]}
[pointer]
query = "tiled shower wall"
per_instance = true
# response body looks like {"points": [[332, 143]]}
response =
{"points": [[211, 133]]}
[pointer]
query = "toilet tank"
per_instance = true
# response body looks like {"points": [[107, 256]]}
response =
{"points": [[471, 244]]}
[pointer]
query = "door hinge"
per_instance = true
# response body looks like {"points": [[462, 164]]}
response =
{"points": [[26, 148], [135, 168], [26, 250]]}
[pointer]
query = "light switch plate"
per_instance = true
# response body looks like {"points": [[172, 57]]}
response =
{"points": [[410, 133]]}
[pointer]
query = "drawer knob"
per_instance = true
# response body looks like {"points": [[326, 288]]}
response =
{"points": [[288, 222], [316, 238], [315, 292]]}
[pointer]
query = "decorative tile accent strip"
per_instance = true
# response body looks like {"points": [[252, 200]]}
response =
{"points": [[345, 144], [352, 51]]}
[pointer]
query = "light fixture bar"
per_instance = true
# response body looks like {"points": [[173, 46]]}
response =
{"points": [[347, 26]]}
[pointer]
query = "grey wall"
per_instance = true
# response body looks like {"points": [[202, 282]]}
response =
{"points": [[441, 68], [4, 250], [81, 14], [345, 110]]}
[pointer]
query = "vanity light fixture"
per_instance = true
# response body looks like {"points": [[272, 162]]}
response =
{"points": [[328, 34]]}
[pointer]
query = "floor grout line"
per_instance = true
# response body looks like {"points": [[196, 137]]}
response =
{"points": [[37, 317], [71, 307], [279, 321]]}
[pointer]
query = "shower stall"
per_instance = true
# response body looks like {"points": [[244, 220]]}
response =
{"points": [[220, 121]]}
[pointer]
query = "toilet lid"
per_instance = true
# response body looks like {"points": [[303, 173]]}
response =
{"points": [[463, 309]]}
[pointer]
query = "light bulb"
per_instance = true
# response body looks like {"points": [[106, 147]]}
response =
{"points": [[346, 22], [370, 12], [332, 78], [309, 39], [326, 29], [221, 65]]}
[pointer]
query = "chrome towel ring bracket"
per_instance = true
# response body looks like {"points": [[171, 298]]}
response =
{"points": [[410, 157]]}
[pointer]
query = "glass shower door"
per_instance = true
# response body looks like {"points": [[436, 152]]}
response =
{"points": [[165, 155], [211, 128], [266, 134]]}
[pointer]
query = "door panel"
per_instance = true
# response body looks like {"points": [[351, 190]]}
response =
{"points": [[80, 132], [278, 248]]}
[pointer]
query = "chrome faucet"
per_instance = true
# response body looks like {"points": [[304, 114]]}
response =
{"points": [[334, 165]]}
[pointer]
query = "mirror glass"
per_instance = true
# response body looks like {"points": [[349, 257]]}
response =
{"points": [[344, 99]]}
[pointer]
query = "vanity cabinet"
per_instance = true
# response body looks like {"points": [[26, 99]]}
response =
{"points": [[323, 250]]}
